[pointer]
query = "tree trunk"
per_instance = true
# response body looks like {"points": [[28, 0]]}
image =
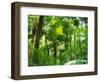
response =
{"points": [[66, 42], [70, 53], [38, 32], [80, 54], [75, 44], [55, 51], [46, 43]]}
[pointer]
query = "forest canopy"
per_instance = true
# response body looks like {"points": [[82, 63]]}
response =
{"points": [[57, 40]]}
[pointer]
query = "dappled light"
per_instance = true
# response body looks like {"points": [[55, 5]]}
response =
{"points": [[57, 40]]}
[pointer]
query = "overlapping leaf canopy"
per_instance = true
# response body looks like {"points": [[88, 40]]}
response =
{"points": [[59, 40]]}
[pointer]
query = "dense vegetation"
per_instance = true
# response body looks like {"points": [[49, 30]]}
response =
{"points": [[57, 40]]}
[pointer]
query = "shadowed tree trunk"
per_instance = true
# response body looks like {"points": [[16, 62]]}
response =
{"points": [[46, 43], [38, 33], [55, 51], [66, 42]]}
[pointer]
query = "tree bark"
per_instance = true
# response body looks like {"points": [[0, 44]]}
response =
{"points": [[55, 51], [46, 43], [38, 32]]}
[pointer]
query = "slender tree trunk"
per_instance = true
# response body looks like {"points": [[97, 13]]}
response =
{"points": [[38, 32], [70, 46], [66, 42], [46, 43], [55, 51], [75, 44], [80, 54], [61, 60], [47, 48], [37, 37]]}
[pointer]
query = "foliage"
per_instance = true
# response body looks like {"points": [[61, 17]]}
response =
{"points": [[57, 40]]}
